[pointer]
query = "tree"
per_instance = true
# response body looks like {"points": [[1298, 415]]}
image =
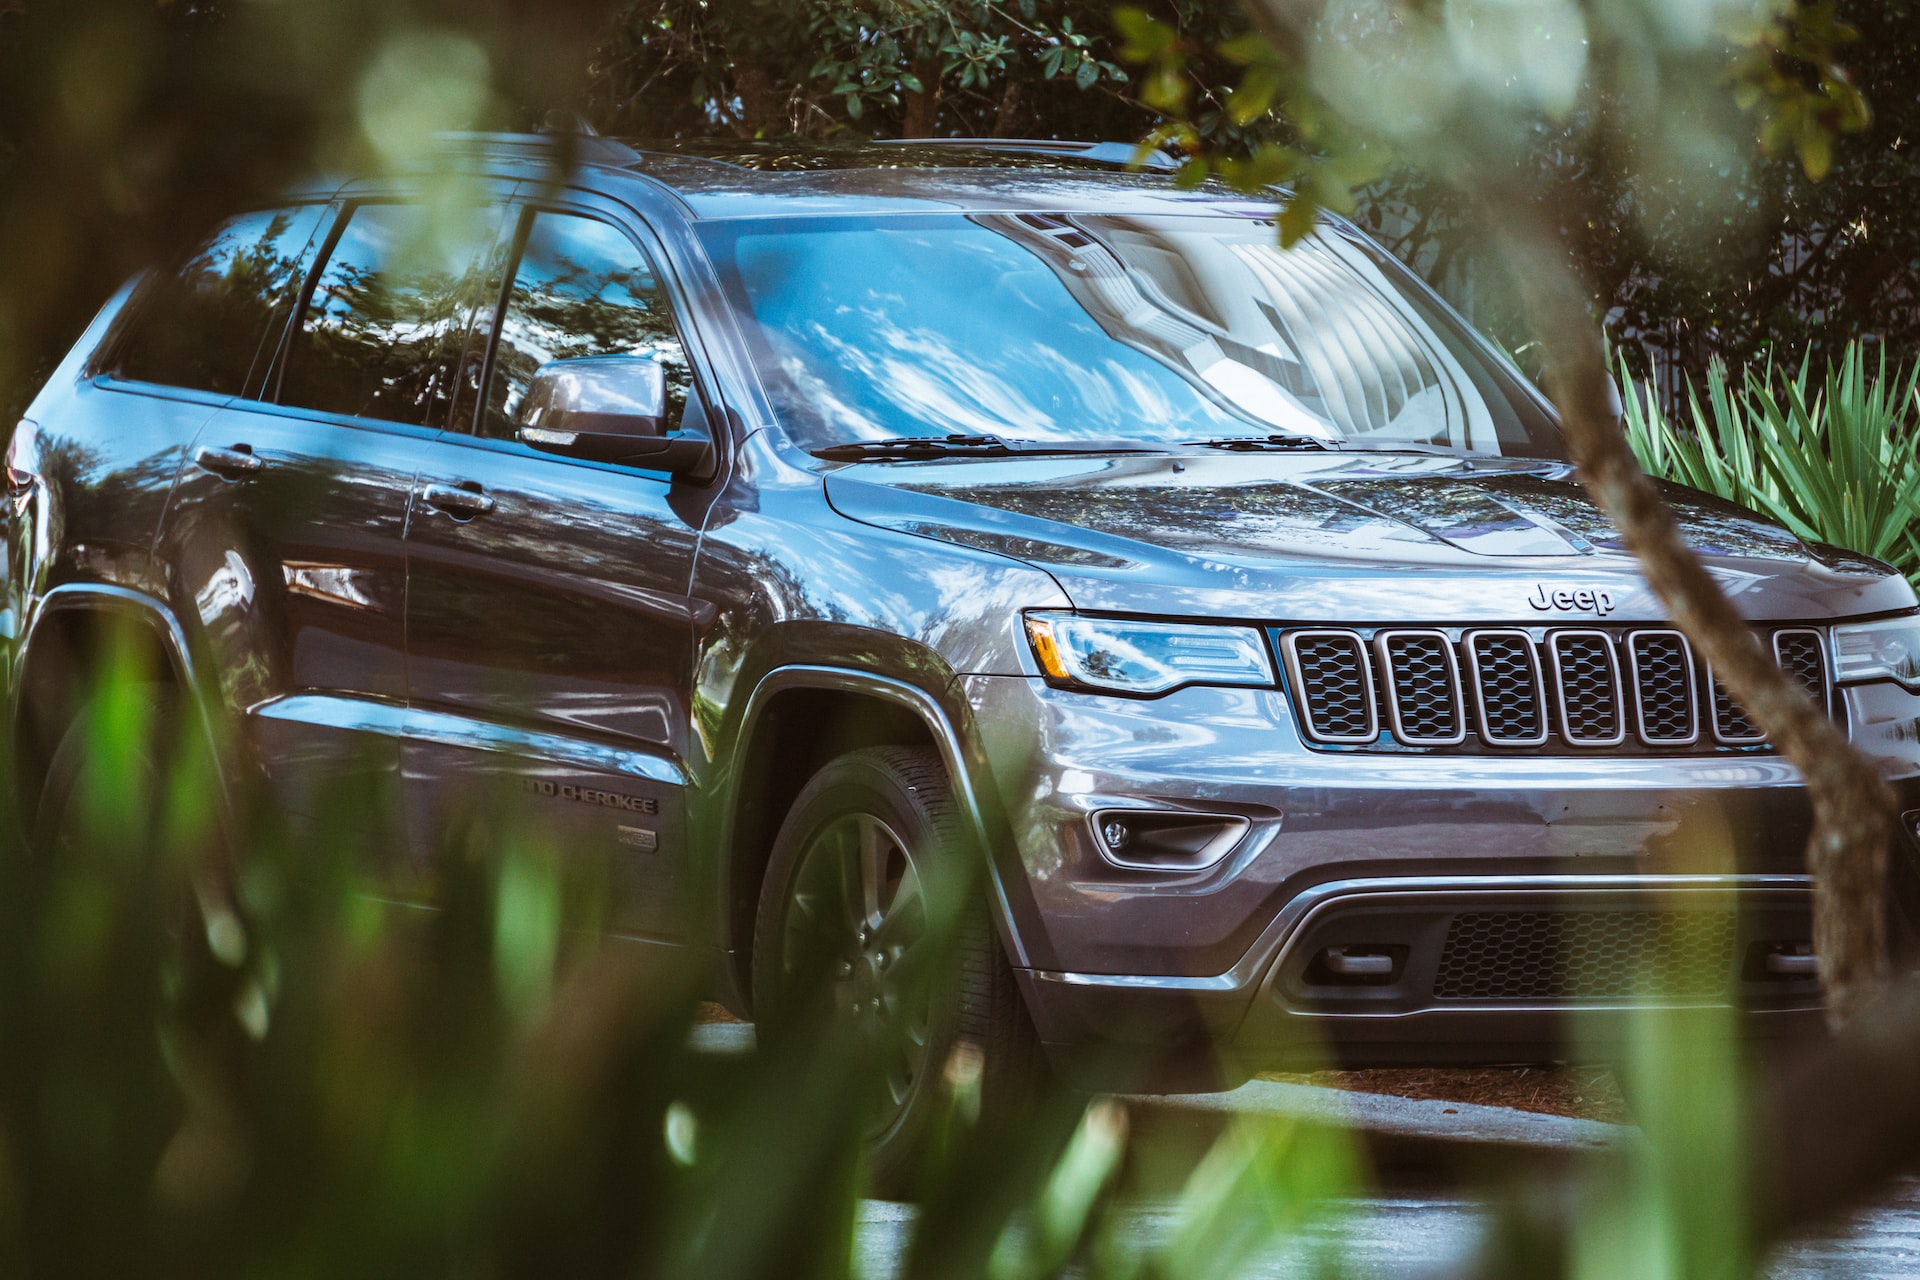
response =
{"points": [[1760, 260], [905, 68]]}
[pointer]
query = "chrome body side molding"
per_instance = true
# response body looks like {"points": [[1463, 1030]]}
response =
{"points": [[393, 720]]}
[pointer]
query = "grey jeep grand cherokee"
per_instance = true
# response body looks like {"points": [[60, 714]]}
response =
{"points": [[780, 525]]}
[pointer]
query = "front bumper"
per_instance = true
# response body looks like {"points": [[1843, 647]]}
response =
{"points": [[1483, 970], [1209, 970]]}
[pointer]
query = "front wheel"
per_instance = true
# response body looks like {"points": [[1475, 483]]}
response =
{"points": [[868, 915]]}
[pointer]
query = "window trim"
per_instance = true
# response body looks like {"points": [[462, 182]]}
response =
{"points": [[276, 374], [498, 194], [464, 423], [107, 359]]}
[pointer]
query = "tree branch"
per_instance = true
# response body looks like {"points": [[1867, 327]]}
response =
{"points": [[1853, 810]]}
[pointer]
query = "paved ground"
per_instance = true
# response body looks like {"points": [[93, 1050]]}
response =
{"points": [[1426, 1119], [1428, 1231], [1424, 1237]]}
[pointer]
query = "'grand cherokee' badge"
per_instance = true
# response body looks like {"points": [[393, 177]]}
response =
{"points": [[1598, 603]]}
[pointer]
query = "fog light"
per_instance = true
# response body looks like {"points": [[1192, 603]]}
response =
{"points": [[1782, 962], [1149, 840], [1355, 965]]}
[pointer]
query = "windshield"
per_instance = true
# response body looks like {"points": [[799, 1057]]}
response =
{"points": [[1159, 329]]}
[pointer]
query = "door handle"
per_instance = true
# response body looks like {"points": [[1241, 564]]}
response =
{"points": [[458, 501], [236, 463]]}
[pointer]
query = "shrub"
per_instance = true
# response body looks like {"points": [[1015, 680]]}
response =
{"points": [[1835, 460]]}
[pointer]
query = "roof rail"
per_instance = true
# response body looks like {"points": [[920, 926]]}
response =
{"points": [[1124, 154], [589, 148]]}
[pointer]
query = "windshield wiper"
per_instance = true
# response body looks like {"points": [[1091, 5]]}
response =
{"points": [[1262, 444], [911, 448]]}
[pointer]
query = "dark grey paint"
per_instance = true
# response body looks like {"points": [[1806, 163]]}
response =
{"points": [[619, 632]]}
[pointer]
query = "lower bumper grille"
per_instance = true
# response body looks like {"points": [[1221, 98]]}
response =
{"points": [[1595, 954]]}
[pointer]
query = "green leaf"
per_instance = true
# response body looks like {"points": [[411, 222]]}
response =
{"points": [[1165, 90], [1086, 75], [1816, 151], [1145, 36], [1297, 220], [1247, 49], [1193, 173], [1266, 167], [911, 82], [1254, 96], [853, 105]]}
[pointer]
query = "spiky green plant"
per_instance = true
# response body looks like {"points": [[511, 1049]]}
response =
{"points": [[1835, 460]]}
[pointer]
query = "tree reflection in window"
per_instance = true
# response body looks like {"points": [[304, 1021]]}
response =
{"points": [[204, 326], [581, 289], [380, 336]]}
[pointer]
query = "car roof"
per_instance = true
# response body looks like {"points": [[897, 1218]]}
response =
{"points": [[723, 179]]}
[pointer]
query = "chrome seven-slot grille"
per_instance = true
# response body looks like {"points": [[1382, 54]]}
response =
{"points": [[1508, 687]]}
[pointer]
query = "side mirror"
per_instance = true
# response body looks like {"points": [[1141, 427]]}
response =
{"points": [[606, 409]]}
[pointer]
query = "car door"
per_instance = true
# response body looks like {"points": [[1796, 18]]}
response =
{"points": [[290, 519], [549, 626]]}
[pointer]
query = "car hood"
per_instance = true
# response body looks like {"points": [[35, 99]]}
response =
{"points": [[1343, 537]]}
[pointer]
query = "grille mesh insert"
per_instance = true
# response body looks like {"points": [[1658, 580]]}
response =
{"points": [[1590, 708], [1420, 682], [1803, 657], [1508, 682], [1560, 955], [1730, 723], [1663, 686], [1336, 684]]}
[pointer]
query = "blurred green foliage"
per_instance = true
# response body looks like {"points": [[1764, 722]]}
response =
{"points": [[229, 1051], [225, 1051]]}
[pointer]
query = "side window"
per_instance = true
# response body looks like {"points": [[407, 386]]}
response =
{"points": [[383, 330], [205, 326], [581, 288]]}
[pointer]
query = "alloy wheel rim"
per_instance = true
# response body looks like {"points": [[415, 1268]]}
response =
{"points": [[858, 909]]}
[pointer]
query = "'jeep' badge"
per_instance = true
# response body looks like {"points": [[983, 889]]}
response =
{"points": [[1598, 603]]}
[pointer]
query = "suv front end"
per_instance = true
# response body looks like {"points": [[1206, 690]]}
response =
{"points": [[1448, 807], [1359, 731]]}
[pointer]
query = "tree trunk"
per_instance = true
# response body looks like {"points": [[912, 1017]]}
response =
{"points": [[922, 112], [1834, 1124], [1007, 116], [760, 101], [1853, 811]]}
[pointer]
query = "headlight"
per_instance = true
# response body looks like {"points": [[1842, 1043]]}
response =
{"points": [[1887, 650], [1145, 657]]}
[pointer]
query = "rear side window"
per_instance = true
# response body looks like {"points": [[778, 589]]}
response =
{"points": [[581, 288], [382, 333], [206, 325]]}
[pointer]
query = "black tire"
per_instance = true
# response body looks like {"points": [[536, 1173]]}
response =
{"points": [[157, 788], [970, 999], [67, 790]]}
